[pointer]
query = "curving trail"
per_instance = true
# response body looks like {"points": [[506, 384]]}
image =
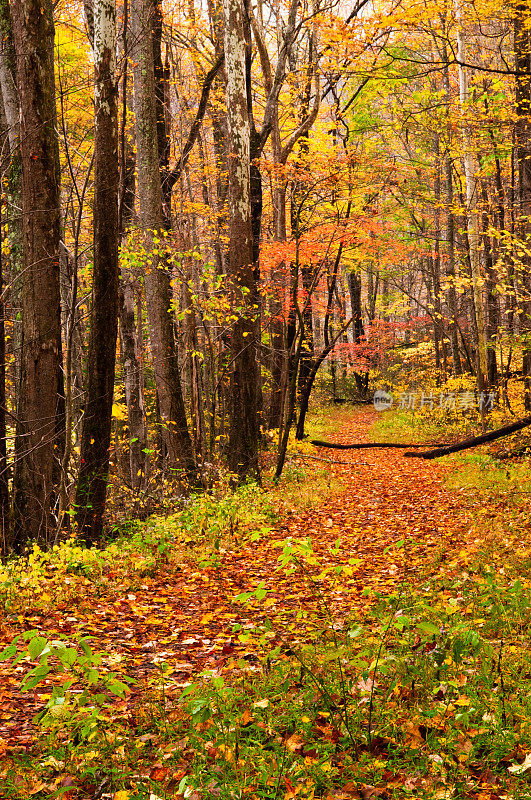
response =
{"points": [[184, 616]]}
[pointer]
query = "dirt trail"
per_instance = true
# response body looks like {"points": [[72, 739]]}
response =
{"points": [[185, 618]]}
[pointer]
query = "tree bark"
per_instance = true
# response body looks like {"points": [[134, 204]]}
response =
{"points": [[130, 343], [5, 527], [33, 33], [133, 386], [522, 48], [175, 434], [244, 428], [472, 218], [96, 431]]}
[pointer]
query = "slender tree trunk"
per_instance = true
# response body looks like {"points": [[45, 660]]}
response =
{"points": [[439, 325], [355, 292], [490, 286], [176, 437], [472, 219], [133, 386], [276, 303], [4, 467], [96, 431], [33, 32], [522, 47], [244, 429], [10, 102], [130, 342], [451, 296]]}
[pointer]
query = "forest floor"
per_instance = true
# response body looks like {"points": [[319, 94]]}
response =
{"points": [[372, 645]]}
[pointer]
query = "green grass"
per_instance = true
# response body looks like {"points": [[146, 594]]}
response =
{"points": [[423, 693], [427, 694]]}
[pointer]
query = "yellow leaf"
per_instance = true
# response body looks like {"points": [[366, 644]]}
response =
{"points": [[119, 411], [121, 795], [462, 701]]}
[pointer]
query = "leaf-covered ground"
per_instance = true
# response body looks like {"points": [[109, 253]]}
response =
{"points": [[390, 528]]}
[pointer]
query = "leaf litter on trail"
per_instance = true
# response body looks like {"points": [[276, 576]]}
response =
{"points": [[391, 522]]}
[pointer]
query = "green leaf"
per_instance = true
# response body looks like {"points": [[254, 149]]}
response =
{"points": [[36, 646], [260, 593], [8, 652], [34, 677], [117, 687], [92, 676], [67, 656], [428, 627]]}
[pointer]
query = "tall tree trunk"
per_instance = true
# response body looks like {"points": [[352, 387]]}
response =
{"points": [[96, 431], [133, 385], [244, 428], [490, 287], [13, 268], [33, 33], [130, 343], [176, 437], [472, 219], [276, 303], [522, 48], [4, 467], [358, 332], [451, 295], [439, 330]]}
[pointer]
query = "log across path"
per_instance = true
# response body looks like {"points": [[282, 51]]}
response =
{"points": [[473, 441], [367, 445], [184, 614], [437, 451]]}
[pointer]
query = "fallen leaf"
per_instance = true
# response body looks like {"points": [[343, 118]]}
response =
{"points": [[518, 769]]}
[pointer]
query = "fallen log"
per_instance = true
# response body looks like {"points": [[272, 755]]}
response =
{"points": [[474, 441], [363, 446]]}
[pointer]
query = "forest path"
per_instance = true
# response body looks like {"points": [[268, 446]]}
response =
{"points": [[184, 616]]}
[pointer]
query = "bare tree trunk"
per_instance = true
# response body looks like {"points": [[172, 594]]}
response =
{"points": [[522, 47], [130, 346], [472, 221], [13, 268], [176, 437], [4, 467], [490, 286], [276, 304], [451, 296], [133, 386], [33, 32], [355, 292], [96, 432], [244, 429]]}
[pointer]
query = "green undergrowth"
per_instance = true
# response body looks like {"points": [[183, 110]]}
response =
{"points": [[424, 692], [219, 519], [501, 469], [447, 411]]}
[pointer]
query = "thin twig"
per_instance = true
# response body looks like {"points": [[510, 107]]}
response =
{"points": [[327, 460]]}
